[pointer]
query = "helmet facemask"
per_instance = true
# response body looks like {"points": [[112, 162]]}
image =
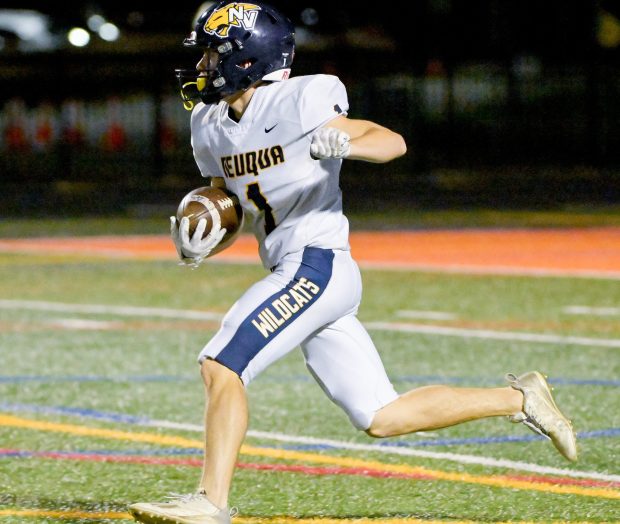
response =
{"points": [[205, 83]]}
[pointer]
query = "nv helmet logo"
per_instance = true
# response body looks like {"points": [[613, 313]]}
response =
{"points": [[231, 15]]}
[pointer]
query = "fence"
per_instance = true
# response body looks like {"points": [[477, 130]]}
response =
{"points": [[84, 135]]}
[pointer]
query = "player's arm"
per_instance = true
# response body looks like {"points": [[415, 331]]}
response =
{"points": [[370, 141], [355, 139], [218, 181]]}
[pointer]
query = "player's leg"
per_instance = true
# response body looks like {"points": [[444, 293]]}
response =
{"points": [[226, 417], [343, 359], [273, 317], [277, 313], [269, 320], [528, 400], [226, 422], [439, 406], [226, 411]]}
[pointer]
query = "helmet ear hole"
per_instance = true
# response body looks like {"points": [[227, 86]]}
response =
{"points": [[246, 64]]}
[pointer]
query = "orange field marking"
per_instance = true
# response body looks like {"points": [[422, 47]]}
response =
{"points": [[569, 249], [592, 251]]}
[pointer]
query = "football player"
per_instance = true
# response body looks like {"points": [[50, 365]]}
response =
{"points": [[278, 143]]}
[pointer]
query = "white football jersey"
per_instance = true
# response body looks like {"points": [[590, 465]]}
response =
{"points": [[293, 200]]}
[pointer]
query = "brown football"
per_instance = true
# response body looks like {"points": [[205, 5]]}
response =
{"points": [[209, 202]]}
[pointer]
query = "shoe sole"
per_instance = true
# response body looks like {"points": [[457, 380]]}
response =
{"points": [[150, 518]]}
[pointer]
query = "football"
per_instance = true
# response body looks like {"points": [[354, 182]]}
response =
{"points": [[213, 203]]}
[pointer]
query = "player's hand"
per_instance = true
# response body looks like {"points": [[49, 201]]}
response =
{"points": [[329, 142], [193, 250]]}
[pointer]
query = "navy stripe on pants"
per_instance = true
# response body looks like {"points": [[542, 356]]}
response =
{"points": [[279, 310]]}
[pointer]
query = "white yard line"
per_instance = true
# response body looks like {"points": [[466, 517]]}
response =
{"points": [[602, 274], [191, 314], [132, 311], [387, 450], [595, 311], [493, 335], [84, 324]]}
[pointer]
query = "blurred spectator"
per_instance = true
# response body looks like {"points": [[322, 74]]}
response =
{"points": [[73, 133], [15, 131], [44, 130], [115, 136]]}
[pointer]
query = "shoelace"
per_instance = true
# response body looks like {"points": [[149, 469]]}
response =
{"points": [[188, 497], [533, 424], [530, 419]]}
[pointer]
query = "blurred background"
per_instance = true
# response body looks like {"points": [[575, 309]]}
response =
{"points": [[503, 104]]}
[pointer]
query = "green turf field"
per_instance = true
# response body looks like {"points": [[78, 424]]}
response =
{"points": [[80, 385]]}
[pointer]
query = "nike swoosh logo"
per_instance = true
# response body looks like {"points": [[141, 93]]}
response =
{"points": [[268, 130]]}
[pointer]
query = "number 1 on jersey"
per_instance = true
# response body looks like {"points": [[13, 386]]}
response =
{"points": [[254, 194]]}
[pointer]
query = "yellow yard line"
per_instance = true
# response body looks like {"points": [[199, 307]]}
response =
{"points": [[40, 513], [316, 458], [293, 520], [87, 515], [86, 431], [70, 514]]}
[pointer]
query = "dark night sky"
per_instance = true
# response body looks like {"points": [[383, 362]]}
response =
{"points": [[555, 30]]}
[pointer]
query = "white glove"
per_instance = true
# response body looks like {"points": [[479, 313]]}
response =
{"points": [[192, 251], [329, 142]]}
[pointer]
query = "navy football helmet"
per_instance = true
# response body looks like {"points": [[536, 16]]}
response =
{"points": [[253, 41]]}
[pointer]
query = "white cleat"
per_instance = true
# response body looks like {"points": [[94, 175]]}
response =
{"points": [[195, 508], [541, 414]]}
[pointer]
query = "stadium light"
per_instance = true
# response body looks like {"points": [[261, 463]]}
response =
{"points": [[109, 32], [95, 22], [78, 37]]}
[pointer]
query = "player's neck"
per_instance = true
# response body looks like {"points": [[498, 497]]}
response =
{"points": [[238, 102]]}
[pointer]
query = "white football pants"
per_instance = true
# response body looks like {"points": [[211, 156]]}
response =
{"points": [[309, 300]]}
